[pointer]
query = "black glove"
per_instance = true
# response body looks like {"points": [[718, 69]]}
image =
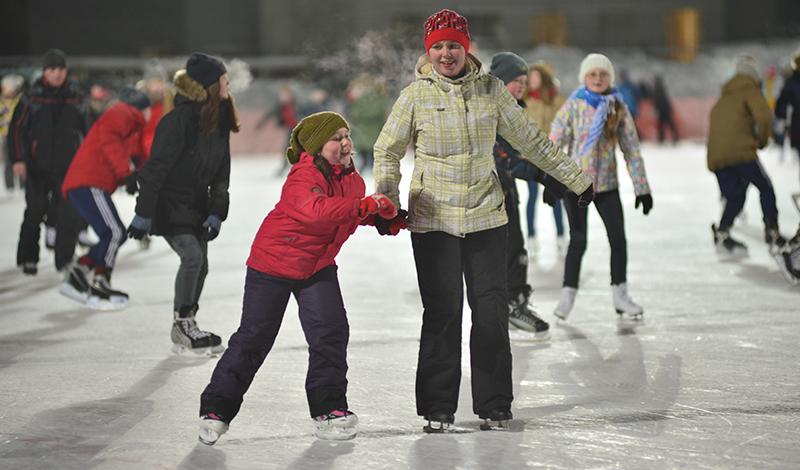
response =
{"points": [[553, 190], [212, 226], [586, 197], [139, 227], [646, 201], [131, 187], [550, 198], [392, 226]]}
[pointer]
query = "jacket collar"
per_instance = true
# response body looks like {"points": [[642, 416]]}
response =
{"points": [[424, 71]]}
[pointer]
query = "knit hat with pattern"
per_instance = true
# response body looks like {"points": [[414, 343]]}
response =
{"points": [[446, 25]]}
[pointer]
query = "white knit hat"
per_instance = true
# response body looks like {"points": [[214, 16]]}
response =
{"points": [[596, 61]]}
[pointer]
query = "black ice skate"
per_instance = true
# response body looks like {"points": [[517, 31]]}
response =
{"points": [[496, 420], [212, 426], [29, 268], [76, 282], [438, 423], [338, 425], [521, 315], [728, 247], [103, 297], [774, 239], [788, 259], [186, 336]]}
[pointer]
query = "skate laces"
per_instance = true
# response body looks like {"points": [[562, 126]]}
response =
{"points": [[189, 328]]}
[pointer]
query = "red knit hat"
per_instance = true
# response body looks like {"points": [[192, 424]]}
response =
{"points": [[446, 25]]}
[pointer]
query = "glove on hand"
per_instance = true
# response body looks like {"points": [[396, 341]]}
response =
{"points": [[586, 197], [392, 226], [213, 225], [131, 186], [139, 227], [646, 201], [377, 204]]}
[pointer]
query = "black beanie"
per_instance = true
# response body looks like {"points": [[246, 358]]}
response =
{"points": [[507, 66], [54, 58], [134, 97], [204, 69]]}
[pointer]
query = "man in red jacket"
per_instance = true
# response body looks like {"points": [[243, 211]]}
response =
{"points": [[104, 162]]}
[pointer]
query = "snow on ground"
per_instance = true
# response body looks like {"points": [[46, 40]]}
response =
{"points": [[710, 380]]}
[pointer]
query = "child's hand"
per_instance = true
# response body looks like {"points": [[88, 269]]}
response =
{"points": [[377, 204], [646, 202], [394, 225]]}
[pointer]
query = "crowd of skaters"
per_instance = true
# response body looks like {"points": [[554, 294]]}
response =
{"points": [[473, 134]]}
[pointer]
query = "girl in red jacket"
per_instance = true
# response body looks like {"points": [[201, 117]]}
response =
{"points": [[321, 204], [102, 163]]}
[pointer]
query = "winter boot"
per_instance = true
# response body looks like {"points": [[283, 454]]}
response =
{"points": [[338, 425], [438, 422], [186, 336], [212, 426], [625, 306], [76, 283], [727, 246], [102, 296], [566, 303], [521, 315], [495, 420]]}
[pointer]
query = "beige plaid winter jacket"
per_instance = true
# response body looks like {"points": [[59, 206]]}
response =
{"points": [[454, 124]]}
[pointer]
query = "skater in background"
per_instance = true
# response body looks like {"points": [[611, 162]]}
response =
{"points": [[542, 103], [740, 124], [321, 205], [456, 216], [631, 95], [286, 115], [10, 92], [102, 164], [663, 105], [592, 122], [367, 112], [100, 99], [48, 126], [790, 98], [183, 187]]}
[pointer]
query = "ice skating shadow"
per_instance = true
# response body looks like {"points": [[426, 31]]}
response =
{"points": [[615, 389], [435, 451], [15, 286], [763, 276], [203, 457], [321, 455], [17, 344], [73, 437]]}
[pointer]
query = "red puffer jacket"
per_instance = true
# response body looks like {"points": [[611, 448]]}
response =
{"points": [[310, 223], [104, 158]]}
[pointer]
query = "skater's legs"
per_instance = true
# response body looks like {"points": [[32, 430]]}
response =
{"points": [[515, 254], [533, 193], [37, 198], [96, 207], [324, 321], [558, 215], [756, 175], [490, 350], [263, 306], [437, 256], [193, 268], [734, 189], [609, 207], [578, 228]]}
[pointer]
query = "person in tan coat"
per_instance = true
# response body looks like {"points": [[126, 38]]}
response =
{"points": [[741, 123]]}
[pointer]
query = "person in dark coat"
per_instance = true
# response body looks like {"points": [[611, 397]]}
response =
{"points": [[663, 105], [321, 205], [45, 132], [790, 98], [183, 187]]}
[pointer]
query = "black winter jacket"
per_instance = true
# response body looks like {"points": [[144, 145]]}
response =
{"points": [[790, 96]]}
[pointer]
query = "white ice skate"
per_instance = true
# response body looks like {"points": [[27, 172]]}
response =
{"points": [[338, 425], [626, 308], [211, 428], [566, 303]]}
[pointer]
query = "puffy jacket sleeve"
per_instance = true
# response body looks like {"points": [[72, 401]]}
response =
{"points": [[219, 198], [631, 151], [19, 132], [561, 132], [781, 105], [514, 126], [168, 145], [762, 115], [304, 198], [119, 143], [391, 145]]}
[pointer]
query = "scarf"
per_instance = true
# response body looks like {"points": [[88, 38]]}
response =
{"points": [[604, 105]]}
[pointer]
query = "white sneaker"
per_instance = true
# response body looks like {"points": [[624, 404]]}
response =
{"points": [[566, 303], [623, 304], [338, 425]]}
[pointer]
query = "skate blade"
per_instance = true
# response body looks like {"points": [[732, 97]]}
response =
{"points": [[725, 255], [528, 335], [112, 304], [489, 425], [784, 261], [212, 351], [336, 434], [208, 438], [623, 317], [72, 293]]}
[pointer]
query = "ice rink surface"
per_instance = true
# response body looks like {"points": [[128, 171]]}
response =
{"points": [[709, 380]]}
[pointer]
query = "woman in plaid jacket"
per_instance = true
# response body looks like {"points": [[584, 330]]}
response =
{"points": [[453, 112]]}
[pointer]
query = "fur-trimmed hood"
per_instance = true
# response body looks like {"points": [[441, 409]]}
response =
{"points": [[188, 87]]}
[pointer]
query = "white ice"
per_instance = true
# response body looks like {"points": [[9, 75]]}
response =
{"points": [[710, 380]]}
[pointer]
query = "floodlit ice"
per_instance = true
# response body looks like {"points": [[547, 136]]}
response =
{"points": [[710, 380]]}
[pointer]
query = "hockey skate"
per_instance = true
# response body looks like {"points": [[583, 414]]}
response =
{"points": [[566, 303], [103, 297], [338, 425], [496, 420], [626, 308], [788, 259], [212, 426], [186, 336], [521, 315], [29, 268], [76, 282], [727, 247], [438, 423]]}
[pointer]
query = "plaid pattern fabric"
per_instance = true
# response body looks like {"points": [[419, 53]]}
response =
{"points": [[453, 125], [570, 129]]}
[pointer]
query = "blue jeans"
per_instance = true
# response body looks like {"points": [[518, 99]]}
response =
{"points": [[533, 190]]}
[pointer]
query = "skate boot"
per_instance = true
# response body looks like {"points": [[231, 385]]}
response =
{"points": [[566, 303], [774, 239], [788, 259], [728, 247], [29, 268], [76, 282], [521, 315], [103, 297], [338, 425], [626, 308], [438, 422], [186, 336], [495, 420], [212, 426]]}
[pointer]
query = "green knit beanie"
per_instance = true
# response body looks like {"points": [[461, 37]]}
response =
{"points": [[310, 134]]}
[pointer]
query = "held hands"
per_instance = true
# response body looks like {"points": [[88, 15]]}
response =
{"points": [[212, 226], [131, 187], [377, 204], [139, 227], [394, 225], [646, 201], [586, 197]]}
